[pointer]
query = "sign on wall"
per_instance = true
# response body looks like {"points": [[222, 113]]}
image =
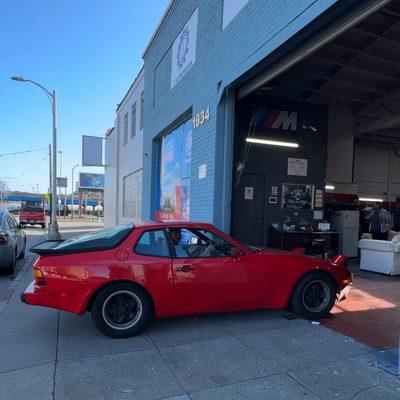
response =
{"points": [[202, 171], [277, 119], [297, 166], [248, 193], [201, 117], [184, 50]]}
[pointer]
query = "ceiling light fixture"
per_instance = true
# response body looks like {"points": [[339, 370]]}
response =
{"points": [[272, 142], [370, 200]]}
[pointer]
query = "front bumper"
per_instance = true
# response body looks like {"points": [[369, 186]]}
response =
{"points": [[342, 295]]}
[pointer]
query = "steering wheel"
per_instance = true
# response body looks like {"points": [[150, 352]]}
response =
{"points": [[197, 249]]}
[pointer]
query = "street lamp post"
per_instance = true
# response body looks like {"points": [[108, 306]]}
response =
{"points": [[53, 227], [72, 191]]}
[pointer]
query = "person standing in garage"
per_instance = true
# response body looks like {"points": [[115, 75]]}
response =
{"points": [[379, 222]]}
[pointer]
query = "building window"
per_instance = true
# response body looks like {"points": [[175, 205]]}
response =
{"points": [[126, 128], [174, 182], [133, 120], [141, 111], [132, 200]]}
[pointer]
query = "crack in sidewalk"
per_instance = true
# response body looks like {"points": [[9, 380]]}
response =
{"points": [[56, 360]]}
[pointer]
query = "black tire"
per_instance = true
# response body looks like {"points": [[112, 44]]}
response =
{"points": [[121, 309], [314, 295], [43, 226], [22, 254], [11, 269]]}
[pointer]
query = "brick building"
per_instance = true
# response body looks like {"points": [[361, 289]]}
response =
{"points": [[259, 110]]}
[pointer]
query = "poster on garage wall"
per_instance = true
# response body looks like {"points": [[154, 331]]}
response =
{"points": [[175, 165], [297, 196]]}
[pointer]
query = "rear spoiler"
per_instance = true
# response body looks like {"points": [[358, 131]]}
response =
{"points": [[45, 247]]}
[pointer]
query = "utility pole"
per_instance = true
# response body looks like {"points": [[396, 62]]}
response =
{"points": [[50, 184], [53, 228], [49, 191]]}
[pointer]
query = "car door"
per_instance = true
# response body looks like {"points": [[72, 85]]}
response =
{"points": [[222, 276]]}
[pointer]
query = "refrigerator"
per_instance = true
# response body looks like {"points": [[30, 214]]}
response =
{"points": [[347, 224]]}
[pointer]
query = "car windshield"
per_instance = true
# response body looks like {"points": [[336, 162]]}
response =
{"points": [[104, 239], [32, 209]]}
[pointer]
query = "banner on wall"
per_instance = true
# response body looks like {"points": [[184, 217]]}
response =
{"points": [[184, 50], [176, 154]]}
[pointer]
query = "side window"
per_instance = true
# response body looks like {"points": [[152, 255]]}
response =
{"points": [[14, 221], [11, 224], [199, 243], [153, 243]]}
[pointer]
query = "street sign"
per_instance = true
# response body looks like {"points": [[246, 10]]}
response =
{"points": [[62, 182]]}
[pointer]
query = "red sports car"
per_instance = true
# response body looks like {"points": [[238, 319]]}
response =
{"points": [[127, 274]]}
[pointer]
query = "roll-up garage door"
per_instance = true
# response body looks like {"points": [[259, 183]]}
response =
{"points": [[360, 11]]}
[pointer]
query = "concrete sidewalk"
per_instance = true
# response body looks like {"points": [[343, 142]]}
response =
{"points": [[46, 354]]}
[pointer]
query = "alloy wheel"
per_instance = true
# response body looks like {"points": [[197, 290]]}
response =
{"points": [[316, 296], [122, 310]]}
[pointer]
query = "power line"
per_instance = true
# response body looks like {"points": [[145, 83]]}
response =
{"points": [[33, 168], [21, 152]]}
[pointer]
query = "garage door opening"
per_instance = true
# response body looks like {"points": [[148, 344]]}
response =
{"points": [[326, 130]]}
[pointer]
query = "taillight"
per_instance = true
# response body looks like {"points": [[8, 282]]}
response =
{"points": [[3, 239], [38, 275]]}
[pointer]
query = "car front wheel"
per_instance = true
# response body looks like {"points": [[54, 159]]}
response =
{"points": [[314, 296], [121, 310]]}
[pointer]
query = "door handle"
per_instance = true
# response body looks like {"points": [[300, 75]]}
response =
{"points": [[185, 268]]}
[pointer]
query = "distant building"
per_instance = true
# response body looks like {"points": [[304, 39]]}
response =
{"points": [[124, 159]]}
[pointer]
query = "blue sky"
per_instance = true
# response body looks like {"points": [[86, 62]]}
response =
{"points": [[89, 51]]}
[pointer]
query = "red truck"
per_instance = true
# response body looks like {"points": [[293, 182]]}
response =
{"points": [[32, 216]]}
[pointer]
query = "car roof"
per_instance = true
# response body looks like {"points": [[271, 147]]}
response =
{"points": [[170, 223]]}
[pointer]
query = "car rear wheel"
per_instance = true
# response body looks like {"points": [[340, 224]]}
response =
{"points": [[314, 296], [121, 310]]}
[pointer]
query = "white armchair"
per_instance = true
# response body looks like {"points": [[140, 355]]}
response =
{"points": [[380, 255]]}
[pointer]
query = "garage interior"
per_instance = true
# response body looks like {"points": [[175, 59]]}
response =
{"points": [[356, 76]]}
